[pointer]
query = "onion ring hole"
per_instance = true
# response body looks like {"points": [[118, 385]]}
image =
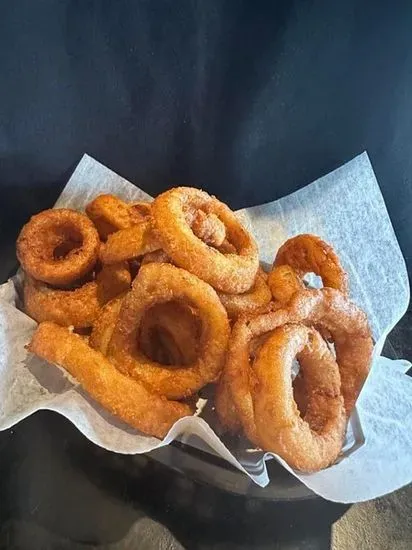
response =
{"points": [[170, 334]]}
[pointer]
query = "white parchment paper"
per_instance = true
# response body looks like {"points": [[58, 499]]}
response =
{"points": [[345, 208]]}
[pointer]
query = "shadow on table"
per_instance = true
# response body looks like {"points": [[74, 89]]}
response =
{"points": [[54, 477]]}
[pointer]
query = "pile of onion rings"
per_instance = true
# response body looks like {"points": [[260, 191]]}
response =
{"points": [[169, 297]]}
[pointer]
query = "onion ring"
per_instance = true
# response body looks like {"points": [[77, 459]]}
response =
{"points": [[231, 273], [78, 307], [330, 311], [157, 283], [169, 332], [310, 254], [227, 248], [239, 377], [251, 301], [326, 309], [103, 325], [122, 396], [53, 233], [284, 282], [141, 240], [225, 407], [313, 442], [208, 228], [129, 243], [158, 256], [109, 214]]}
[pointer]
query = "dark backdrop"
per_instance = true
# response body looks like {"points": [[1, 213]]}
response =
{"points": [[249, 100]]}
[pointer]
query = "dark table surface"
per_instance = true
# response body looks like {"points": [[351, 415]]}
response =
{"points": [[249, 100]]}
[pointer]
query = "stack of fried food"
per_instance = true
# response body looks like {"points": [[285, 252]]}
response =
{"points": [[146, 303]]}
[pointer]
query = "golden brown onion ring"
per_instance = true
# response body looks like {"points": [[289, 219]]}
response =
{"points": [[327, 309], [225, 407], [331, 312], [238, 374], [310, 254], [231, 273], [119, 394], [158, 256], [313, 442], [284, 282], [78, 307], [227, 248], [169, 332], [130, 243], [58, 246], [109, 214], [251, 301], [158, 283], [103, 325], [208, 228]]}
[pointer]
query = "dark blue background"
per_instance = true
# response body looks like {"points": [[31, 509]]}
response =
{"points": [[249, 100]]}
